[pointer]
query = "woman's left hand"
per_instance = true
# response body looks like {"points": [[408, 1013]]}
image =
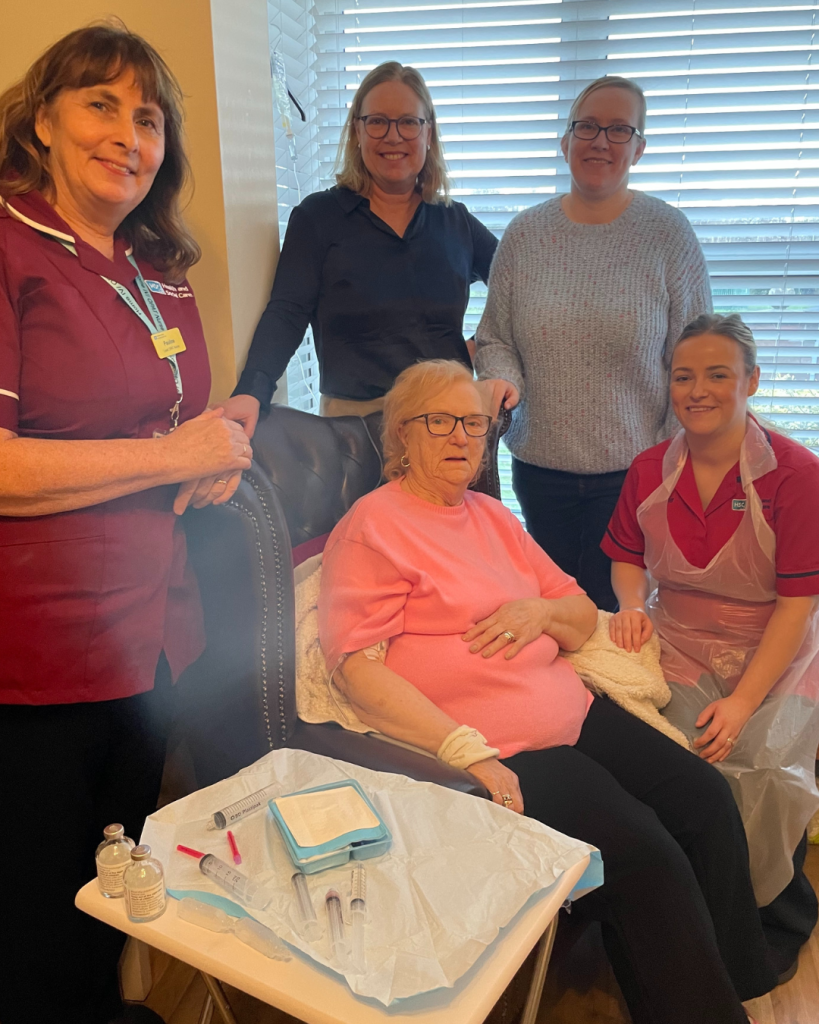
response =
{"points": [[525, 620], [728, 718], [209, 490]]}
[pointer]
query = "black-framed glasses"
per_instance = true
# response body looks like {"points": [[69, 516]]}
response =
{"points": [[617, 133], [441, 424], [377, 126]]}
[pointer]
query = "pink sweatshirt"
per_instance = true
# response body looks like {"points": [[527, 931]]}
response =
{"points": [[400, 568]]}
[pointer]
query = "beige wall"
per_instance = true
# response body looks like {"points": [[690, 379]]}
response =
{"points": [[219, 51]]}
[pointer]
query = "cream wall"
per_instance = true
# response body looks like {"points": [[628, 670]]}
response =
{"points": [[219, 51]]}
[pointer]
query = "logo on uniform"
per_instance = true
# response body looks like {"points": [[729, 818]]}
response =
{"points": [[155, 286], [738, 504]]}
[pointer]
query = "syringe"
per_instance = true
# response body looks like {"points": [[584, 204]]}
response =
{"points": [[305, 911], [251, 893], [358, 915], [235, 812], [251, 932], [338, 943]]}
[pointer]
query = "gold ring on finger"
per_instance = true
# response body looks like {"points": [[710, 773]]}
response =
{"points": [[244, 449], [510, 636], [507, 800], [728, 739]]}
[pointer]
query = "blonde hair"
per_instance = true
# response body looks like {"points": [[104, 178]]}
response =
{"points": [[731, 326], [433, 181], [83, 58], [607, 82], [411, 390]]}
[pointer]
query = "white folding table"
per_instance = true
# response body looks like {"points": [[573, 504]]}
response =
{"points": [[306, 990]]}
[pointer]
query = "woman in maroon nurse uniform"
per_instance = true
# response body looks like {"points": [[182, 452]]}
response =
{"points": [[104, 436]]}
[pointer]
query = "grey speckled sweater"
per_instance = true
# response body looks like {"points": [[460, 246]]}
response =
{"points": [[578, 317]]}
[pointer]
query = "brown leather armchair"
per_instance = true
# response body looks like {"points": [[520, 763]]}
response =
{"points": [[238, 701]]}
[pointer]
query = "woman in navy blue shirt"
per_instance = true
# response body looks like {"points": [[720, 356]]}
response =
{"points": [[380, 266]]}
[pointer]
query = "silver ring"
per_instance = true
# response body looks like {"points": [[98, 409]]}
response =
{"points": [[495, 792], [244, 449], [222, 482], [510, 636]]}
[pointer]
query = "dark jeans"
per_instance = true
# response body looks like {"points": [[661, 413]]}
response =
{"points": [[567, 514], [789, 919], [67, 771], [679, 920]]}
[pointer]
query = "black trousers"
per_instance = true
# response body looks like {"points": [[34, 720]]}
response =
{"points": [[789, 920], [679, 920], [567, 514], [67, 771]]}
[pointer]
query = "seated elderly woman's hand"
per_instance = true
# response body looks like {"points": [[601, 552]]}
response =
{"points": [[500, 781], [513, 626], [630, 628]]}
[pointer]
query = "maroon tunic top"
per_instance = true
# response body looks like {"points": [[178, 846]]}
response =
{"points": [[90, 598]]}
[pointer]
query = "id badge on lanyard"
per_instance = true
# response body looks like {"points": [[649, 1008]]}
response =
{"points": [[167, 342]]}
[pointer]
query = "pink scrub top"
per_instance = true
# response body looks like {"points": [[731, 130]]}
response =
{"points": [[90, 598], [400, 568]]}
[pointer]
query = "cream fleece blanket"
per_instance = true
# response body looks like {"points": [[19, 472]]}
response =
{"points": [[634, 681], [318, 699]]}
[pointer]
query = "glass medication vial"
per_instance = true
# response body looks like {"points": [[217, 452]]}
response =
{"points": [[251, 893], [305, 911], [145, 898], [113, 857]]}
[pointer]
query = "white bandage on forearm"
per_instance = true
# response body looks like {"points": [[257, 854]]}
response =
{"points": [[465, 746]]}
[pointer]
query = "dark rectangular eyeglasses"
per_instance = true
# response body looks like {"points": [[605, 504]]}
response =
{"points": [[440, 424], [377, 126], [617, 133]]}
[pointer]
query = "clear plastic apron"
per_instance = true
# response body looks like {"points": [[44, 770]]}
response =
{"points": [[710, 622]]}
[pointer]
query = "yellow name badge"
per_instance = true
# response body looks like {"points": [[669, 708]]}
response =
{"points": [[168, 343]]}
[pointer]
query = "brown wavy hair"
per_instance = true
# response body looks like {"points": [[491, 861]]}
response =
{"points": [[91, 56], [433, 181]]}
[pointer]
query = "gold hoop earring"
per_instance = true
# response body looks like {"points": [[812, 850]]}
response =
{"points": [[405, 461]]}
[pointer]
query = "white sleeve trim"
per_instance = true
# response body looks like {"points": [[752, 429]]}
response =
{"points": [[10, 394]]}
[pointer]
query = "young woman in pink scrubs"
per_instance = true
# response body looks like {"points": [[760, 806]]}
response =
{"points": [[104, 440], [722, 517]]}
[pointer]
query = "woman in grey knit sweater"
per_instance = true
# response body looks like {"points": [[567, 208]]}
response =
{"points": [[587, 292]]}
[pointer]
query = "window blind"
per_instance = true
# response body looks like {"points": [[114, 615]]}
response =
{"points": [[733, 133]]}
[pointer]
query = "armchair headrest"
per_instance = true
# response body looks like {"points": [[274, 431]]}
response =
{"points": [[319, 466]]}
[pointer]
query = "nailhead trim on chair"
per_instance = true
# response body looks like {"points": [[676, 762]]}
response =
{"points": [[265, 618]]}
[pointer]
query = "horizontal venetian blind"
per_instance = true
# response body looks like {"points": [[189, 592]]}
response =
{"points": [[733, 133], [292, 56]]}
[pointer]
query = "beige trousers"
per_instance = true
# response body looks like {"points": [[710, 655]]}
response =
{"points": [[349, 407]]}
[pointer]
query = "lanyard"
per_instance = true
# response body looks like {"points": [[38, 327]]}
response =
{"points": [[156, 323]]}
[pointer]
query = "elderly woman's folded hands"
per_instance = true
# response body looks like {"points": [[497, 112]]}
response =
{"points": [[569, 620]]}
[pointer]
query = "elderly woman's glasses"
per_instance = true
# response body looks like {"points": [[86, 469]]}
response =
{"points": [[617, 133], [377, 126], [440, 424]]}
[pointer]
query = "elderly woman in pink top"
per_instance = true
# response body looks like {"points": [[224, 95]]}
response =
{"points": [[443, 620]]}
